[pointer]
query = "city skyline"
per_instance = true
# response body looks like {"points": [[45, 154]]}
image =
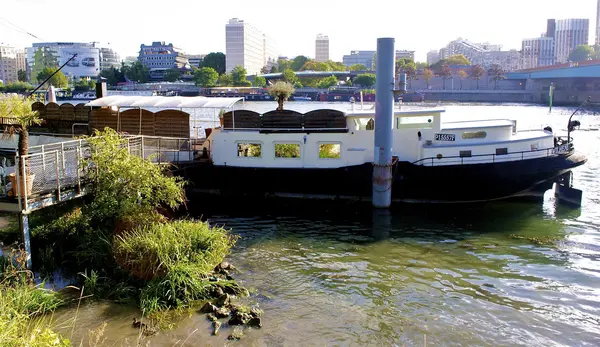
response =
{"points": [[420, 33]]}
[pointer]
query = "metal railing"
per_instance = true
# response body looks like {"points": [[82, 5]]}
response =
{"points": [[495, 158]]}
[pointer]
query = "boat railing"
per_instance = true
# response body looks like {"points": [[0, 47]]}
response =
{"points": [[494, 158]]}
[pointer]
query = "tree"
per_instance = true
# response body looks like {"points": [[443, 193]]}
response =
{"points": [[357, 67], [281, 91], [407, 66], [283, 64], [312, 65], [427, 76], [84, 85], [365, 80], [172, 75], [59, 80], [328, 82], [113, 76], [289, 76], [298, 62], [206, 77], [259, 81], [264, 70], [457, 59], [421, 65], [273, 69], [238, 75], [18, 109], [445, 73], [215, 60], [496, 73], [2, 86], [42, 59], [596, 54], [477, 72], [22, 76], [462, 75], [225, 80], [336, 66], [581, 53], [136, 72]]}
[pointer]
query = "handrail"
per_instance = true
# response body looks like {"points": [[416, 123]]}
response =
{"points": [[558, 150]]}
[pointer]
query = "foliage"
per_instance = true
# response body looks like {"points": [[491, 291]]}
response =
{"points": [[457, 59], [357, 67], [366, 79], [289, 76], [476, 73], [581, 53], [496, 73], [328, 82], [83, 85], [172, 75], [225, 80], [287, 150], [407, 66], [206, 77], [298, 62], [264, 70], [136, 72], [59, 80], [214, 60], [238, 76], [42, 59], [19, 109], [113, 76], [1, 86], [22, 76], [329, 150], [445, 73], [16, 87], [421, 65], [281, 91], [462, 74], [259, 81], [283, 64], [273, 69], [427, 75]]}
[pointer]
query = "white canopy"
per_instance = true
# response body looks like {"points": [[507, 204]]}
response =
{"points": [[173, 102]]}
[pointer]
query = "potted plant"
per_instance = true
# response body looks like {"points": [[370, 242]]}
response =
{"points": [[18, 108], [281, 91]]}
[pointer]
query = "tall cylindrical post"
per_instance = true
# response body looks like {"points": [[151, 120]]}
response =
{"points": [[384, 113]]}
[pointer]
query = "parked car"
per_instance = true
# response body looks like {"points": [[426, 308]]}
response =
{"points": [[89, 61]]}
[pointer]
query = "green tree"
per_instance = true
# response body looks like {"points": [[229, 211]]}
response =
{"points": [[336, 66], [427, 76], [273, 69], [497, 74], [365, 80], [225, 80], [2, 87], [281, 91], [113, 76], [84, 85], [283, 64], [22, 76], [288, 75], [445, 73], [407, 66], [215, 60], [596, 54], [457, 59], [264, 70], [136, 72], [59, 80], [298, 62], [357, 67], [172, 75], [582, 53], [476, 73], [259, 81], [421, 65], [328, 82], [206, 77], [462, 75], [312, 65], [238, 75], [42, 59]]}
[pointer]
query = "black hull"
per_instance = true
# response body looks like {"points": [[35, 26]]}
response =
{"points": [[412, 183]]}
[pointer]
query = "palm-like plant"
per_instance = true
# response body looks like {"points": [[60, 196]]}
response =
{"points": [[17, 110], [281, 91]]}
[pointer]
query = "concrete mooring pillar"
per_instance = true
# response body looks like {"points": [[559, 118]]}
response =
{"points": [[25, 236], [384, 114]]}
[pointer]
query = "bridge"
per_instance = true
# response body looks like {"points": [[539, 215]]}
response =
{"points": [[584, 69]]}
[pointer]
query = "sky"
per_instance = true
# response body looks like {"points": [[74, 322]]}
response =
{"points": [[198, 27]]}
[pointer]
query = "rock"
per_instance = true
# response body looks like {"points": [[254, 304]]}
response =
{"points": [[239, 318], [236, 334], [211, 317], [208, 308], [255, 322], [216, 326], [222, 312], [217, 292], [223, 300], [228, 277], [256, 312]]}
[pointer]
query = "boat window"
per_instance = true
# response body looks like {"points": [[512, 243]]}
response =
{"points": [[287, 150], [246, 149], [330, 151], [474, 135], [465, 154], [501, 151]]}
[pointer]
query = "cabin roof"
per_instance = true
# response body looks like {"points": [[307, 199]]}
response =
{"points": [[489, 123], [173, 102], [405, 113]]}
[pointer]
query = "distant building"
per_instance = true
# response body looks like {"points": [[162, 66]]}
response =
{"points": [[405, 54], [507, 60], [443, 53], [359, 57], [433, 57], [196, 59], [598, 23], [537, 52], [484, 54], [11, 61], [86, 63], [109, 58], [470, 50], [247, 46], [322, 48], [569, 34]]}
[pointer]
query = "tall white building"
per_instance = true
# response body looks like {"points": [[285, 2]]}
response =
{"points": [[537, 52], [322, 48], [11, 61], [433, 57], [247, 46], [569, 34]]}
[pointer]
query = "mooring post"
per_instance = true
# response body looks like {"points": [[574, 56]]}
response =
{"points": [[25, 237], [384, 111]]}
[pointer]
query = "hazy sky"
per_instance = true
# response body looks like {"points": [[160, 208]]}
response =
{"points": [[199, 26]]}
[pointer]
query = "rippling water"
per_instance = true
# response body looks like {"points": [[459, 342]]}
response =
{"points": [[445, 275]]}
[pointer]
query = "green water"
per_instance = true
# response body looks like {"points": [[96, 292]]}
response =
{"points": [[493, 274]]}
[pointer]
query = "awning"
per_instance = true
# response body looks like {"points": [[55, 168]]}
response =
{"points": [[174, 102]]}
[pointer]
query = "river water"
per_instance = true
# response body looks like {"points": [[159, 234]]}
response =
{"points": [[493, 274]]}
